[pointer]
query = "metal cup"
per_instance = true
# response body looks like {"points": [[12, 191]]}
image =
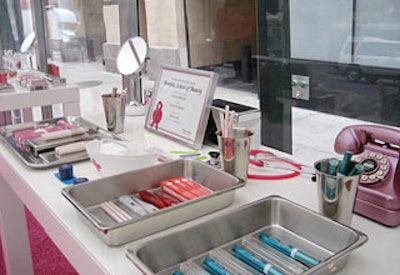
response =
{"points": [[235, 152], [114, 109], [336, 193]]}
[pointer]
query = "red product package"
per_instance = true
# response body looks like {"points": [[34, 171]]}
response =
{"points": [[194, 187], [183, 188], [176, 191], [151, 198]]}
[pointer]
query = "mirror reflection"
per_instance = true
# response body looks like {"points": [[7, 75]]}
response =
{"points": [[132, 56]]}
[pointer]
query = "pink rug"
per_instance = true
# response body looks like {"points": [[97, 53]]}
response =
{"points": [[46, 257]]}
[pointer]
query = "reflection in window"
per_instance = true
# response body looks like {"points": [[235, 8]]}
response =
{"points": [[334, 31]]}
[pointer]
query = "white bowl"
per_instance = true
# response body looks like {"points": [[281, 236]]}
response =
{"points": [[111, 157]]}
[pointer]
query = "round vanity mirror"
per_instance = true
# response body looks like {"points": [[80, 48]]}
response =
{"points": [[28, 42], [130, 61], [132, 56]]}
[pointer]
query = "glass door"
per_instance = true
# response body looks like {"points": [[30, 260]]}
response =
{"points": [[337, 57]]}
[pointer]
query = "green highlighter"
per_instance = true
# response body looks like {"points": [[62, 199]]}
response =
{"points": [[345, 165]]}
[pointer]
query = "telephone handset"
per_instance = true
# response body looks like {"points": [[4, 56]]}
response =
{"points": [[378, 149]]}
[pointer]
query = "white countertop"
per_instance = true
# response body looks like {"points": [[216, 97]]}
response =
{"points": [[41, 193]]}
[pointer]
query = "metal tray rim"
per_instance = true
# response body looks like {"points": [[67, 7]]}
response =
{"points": [[100, 228], [361, 238], [80, 208]]}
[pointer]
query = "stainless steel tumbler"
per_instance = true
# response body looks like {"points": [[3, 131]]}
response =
{"points": [[336, 193], [114, 109], [235, 152]]}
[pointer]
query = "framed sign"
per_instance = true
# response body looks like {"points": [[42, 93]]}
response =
{"points": [[180, 104]]}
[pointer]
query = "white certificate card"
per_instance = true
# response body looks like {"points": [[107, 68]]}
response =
{"points": [[180, 104]]}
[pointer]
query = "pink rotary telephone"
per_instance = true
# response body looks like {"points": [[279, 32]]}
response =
{"points": [[377, 148]]}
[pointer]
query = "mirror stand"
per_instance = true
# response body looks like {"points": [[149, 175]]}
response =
{"points": [[27, 51], [135, 106]]}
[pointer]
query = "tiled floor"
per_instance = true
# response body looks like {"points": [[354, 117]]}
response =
{"points": [[313, 132]]}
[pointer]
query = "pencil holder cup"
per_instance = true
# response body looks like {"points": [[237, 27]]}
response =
{"points": [[114, 109], [336, 193], [235, 152]]}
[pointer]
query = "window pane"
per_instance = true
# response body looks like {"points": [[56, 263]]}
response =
{"points": [[318, 29]]}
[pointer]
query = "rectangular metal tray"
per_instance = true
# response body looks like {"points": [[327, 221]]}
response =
{"points": [[318, 236], [48, 158], [87, 198]]}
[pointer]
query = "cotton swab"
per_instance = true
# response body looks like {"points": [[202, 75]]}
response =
{"points": [[226, 121], [221, 121], [231, 121]]}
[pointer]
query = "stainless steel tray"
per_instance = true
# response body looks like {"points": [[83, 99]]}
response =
{"points": [[88, 197], [320, 237], [48, 158]]}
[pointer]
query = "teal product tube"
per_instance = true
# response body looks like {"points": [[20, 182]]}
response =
{"points": [[330, 187], [333, 165], [289, 250], [214, 268], [357, 169], [344, 167], [177, 272], [231, 263], [254, 261], [273, 256]]}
